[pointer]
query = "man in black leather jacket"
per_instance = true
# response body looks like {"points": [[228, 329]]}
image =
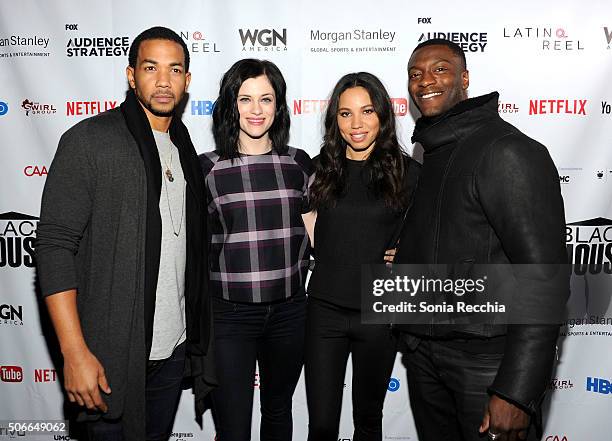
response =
{"points": [[487, 194]]}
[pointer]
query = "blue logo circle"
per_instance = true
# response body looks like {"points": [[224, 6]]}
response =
{"points": [[394, 385], [3, 108]]}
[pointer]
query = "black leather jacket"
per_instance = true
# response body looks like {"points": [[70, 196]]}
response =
{"points": [[489, 194]]}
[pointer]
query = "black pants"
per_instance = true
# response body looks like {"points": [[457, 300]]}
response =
{"points": [[162, 394], [332, 333], [272, 335], [448, 388]]}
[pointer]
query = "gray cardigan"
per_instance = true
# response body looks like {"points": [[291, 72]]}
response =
{"points": [[91, 237]]}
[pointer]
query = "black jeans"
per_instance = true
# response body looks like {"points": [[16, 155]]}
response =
{"points": [[162, 393], [448, 388], [272, 335], [332, 333]]}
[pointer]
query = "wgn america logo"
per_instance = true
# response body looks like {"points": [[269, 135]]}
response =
{"points": [[469, 41], [263, 40], [197, 43], [11, 315], [4, 108], [552, 38], [95, 46], [36, 108], [608, 37], [17, 235]]}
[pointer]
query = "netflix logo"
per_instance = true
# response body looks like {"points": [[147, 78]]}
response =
{"points": [[45, 376]]}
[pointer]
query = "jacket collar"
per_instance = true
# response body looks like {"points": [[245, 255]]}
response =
{"points": [[455, 123]]}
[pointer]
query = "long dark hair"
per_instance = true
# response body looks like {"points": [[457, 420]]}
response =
{"points": [[226, 118], [385, 164]]}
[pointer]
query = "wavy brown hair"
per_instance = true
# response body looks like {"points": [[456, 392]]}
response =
{"points": [[384, 166]]}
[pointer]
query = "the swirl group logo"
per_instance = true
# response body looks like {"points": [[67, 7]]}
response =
{"points": [[394, 385], [3, 108]]}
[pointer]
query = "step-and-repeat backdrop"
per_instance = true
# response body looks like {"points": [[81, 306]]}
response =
{"points": [[62, 61]]}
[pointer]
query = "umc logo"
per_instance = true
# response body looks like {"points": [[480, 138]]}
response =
{"points": [[17, 234], [11, 374], [263, 40]]}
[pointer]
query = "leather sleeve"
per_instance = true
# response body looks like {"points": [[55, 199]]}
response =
{"points": [[518, 186]]}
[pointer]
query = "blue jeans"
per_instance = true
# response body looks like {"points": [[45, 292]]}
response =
{"points": [[273, 335], [162, 393]]}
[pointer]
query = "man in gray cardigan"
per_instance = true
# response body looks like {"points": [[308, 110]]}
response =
{"points": [[121, 252]]}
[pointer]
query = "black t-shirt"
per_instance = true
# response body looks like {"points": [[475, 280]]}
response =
{"points": [[356, 231]]}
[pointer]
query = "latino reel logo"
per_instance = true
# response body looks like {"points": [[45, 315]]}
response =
{"points": [[17, 235], [36, 108], [553, 39], [263, 40], [199, 43]]}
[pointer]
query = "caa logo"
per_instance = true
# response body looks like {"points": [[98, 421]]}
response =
{"points": [[394, 385], [3, 108], [11, 374], [556, 438], [35, 170]]}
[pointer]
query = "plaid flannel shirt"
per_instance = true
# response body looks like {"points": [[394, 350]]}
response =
{"points": [[259, 248]]}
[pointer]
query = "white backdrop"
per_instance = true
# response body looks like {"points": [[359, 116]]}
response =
{"points": [[54, 72]]}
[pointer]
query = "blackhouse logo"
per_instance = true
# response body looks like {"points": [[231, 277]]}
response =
{"points": [[469, 41], [198, 43], [263, 40], [11, 315], [589, 245], [550, 38], [24, 46], [17, 235], [36, 108], [95, 46]]}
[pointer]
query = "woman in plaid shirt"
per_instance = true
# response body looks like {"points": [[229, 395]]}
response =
{"points": [[258, 251]]}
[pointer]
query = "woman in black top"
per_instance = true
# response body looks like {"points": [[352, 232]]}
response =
{"points": [[362, 187]]}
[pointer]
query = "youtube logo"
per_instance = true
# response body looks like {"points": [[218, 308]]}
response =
{"points": [[11, 374]]}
